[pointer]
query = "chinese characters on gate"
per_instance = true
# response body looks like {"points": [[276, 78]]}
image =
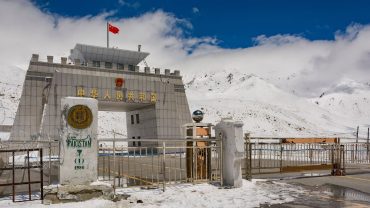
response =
{"points": [[118, 95]]}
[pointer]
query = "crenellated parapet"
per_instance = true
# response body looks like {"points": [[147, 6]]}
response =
{"points": [[103, 66]]}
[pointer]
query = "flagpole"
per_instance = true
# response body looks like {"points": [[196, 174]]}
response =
{"points": [[107, 34]]}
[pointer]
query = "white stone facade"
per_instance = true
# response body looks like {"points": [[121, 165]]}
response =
{"points": [[157, 100]]}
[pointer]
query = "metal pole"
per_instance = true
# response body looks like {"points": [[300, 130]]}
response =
{"points": [[248, 157], [104, 162], [164, 166], [221, 152], [332, 160], [13, 177], [344, 160], [358, 127], [41, 176], [49, 161], [29, 175], [109, 163], [114, 161], [59, 150], [281, 157], [368, 135], [107, 34]]}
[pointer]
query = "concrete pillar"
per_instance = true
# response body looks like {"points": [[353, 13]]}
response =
{"points": [[63, 60], [35, 57], [231, 133], [167, 72], [50, 59], [157, 71], [125, 67], [176, 73], [137, 68], [79, 151]]}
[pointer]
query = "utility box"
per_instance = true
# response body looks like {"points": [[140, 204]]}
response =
{"points": [[231, 133]]}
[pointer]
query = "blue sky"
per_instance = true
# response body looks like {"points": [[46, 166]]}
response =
{"points": [[315, 44], [233, 23]]}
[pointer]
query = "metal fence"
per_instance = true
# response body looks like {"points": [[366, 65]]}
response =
{"points": [[14, 177], [159, 163], [289, 157], [357, 153], [13, 150]]}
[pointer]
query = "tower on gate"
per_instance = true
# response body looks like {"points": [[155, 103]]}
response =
{"points": [[155, 102]]}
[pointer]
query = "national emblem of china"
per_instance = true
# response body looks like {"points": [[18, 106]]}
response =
{"points": [[79, 117]]}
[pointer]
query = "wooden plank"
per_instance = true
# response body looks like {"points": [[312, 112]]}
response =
{"points": [[202, 131], [306, 167], [310, 140]]}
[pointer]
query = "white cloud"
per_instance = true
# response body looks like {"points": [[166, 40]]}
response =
{"points": [[311, 66], [134, 5], [195, 10], [32, 31]]}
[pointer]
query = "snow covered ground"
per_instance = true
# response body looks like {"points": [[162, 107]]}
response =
{"points": [[94, 203], [252, 194]]}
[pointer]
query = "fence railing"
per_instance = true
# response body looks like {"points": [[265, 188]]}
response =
{"points": [[357, 153], [14, 173], [51, 155], [157, 163], [160, 162], [289, 157]]}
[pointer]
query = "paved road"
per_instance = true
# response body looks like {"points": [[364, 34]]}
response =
{"points": [[360, 182], [352, 190]]}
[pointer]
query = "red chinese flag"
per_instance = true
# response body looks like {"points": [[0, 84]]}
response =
{"points": [[113, 29]]}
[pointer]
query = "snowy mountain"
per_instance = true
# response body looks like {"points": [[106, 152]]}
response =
{"points": [[349, 98], [11, 81], [265, 109]]}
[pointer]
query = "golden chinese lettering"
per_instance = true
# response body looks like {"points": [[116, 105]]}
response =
{"points": [[153, 97], [119, 95], [94, 93], [130, 96], [80, 92], [107, 95], [142, 96]]}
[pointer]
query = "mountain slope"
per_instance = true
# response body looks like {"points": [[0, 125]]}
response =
{"points": [[267, 110]]}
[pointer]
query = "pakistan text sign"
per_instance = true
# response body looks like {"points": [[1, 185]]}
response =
{"points": [[74, 142], [79, 144]]}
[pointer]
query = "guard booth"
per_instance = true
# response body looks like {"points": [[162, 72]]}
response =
{"points": [[198, 151]]}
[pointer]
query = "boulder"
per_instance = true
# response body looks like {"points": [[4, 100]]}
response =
{"points": [[74, 193]]}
